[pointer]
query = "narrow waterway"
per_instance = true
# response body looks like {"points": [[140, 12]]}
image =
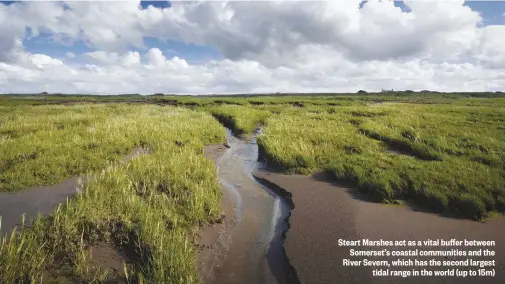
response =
{"points": [[256, 254]]}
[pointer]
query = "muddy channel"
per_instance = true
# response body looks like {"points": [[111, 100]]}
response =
{"points": [[251, 245]]}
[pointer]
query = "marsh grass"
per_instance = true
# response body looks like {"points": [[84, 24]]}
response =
{"points": [[147, 208], [447, 158]]}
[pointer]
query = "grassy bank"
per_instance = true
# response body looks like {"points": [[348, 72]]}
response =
{"points": [[297, 100], [143, 211], [444, 152]]}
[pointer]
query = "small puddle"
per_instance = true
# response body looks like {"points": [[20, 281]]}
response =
{"points": [[256, 254], [32, 201], [43, 200]]}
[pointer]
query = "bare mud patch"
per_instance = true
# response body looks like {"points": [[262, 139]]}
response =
{"points": [[105, 256], [326, 211]]}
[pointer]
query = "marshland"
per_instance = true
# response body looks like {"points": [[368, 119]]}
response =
{"points": [[133, 219]]}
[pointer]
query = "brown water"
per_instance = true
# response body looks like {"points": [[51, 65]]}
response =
{"points": [[256, 254], [32, 201]]}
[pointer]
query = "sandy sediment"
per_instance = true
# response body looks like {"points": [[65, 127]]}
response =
{"points": [[325, 212]]}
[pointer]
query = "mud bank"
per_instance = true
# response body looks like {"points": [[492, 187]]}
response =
{"points": [[248, 247], [43, 200], [213, 241], [325, 212]]}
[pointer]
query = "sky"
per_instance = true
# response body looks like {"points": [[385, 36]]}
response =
{"points": [[223, 47]]}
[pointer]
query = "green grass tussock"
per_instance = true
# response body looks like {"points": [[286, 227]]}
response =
{"points": [[240, 119]]}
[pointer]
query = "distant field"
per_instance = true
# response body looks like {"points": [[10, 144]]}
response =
{"points": [[146, 207], [424, 97]]}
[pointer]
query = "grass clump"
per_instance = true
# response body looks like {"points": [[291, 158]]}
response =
{"points": [[472, 206], [240, 119]]}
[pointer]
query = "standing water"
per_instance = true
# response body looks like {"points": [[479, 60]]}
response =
{"points": [[256, 254]]}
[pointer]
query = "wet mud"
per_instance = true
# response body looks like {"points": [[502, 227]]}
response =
{"points": [[325, 211]]}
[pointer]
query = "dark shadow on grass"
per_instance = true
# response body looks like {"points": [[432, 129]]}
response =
{"points": [[400, 146]]}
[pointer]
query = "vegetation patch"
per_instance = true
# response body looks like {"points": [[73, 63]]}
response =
{"points": [[240, 119], [143, 212]]}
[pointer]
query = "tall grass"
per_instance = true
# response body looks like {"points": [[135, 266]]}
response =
{"points": [[146, 208]]}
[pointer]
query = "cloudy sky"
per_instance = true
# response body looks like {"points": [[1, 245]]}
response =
{"points": [[248, 47]]}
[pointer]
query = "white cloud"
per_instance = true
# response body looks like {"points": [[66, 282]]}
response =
{"points": [[131, 75], [266, 46], [490, 51], [103, 56], [42, 61], [155, 57], [130, 58], [70, 55]]}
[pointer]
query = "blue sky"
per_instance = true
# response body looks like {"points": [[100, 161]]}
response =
{"points": [[190, 52], [157, 4], [492, 11]]}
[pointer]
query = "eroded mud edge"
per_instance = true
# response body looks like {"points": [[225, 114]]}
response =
{"points": [[286, 196]]}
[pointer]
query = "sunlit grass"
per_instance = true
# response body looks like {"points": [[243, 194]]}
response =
{"points": [[436, 155], [447, 156]]}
